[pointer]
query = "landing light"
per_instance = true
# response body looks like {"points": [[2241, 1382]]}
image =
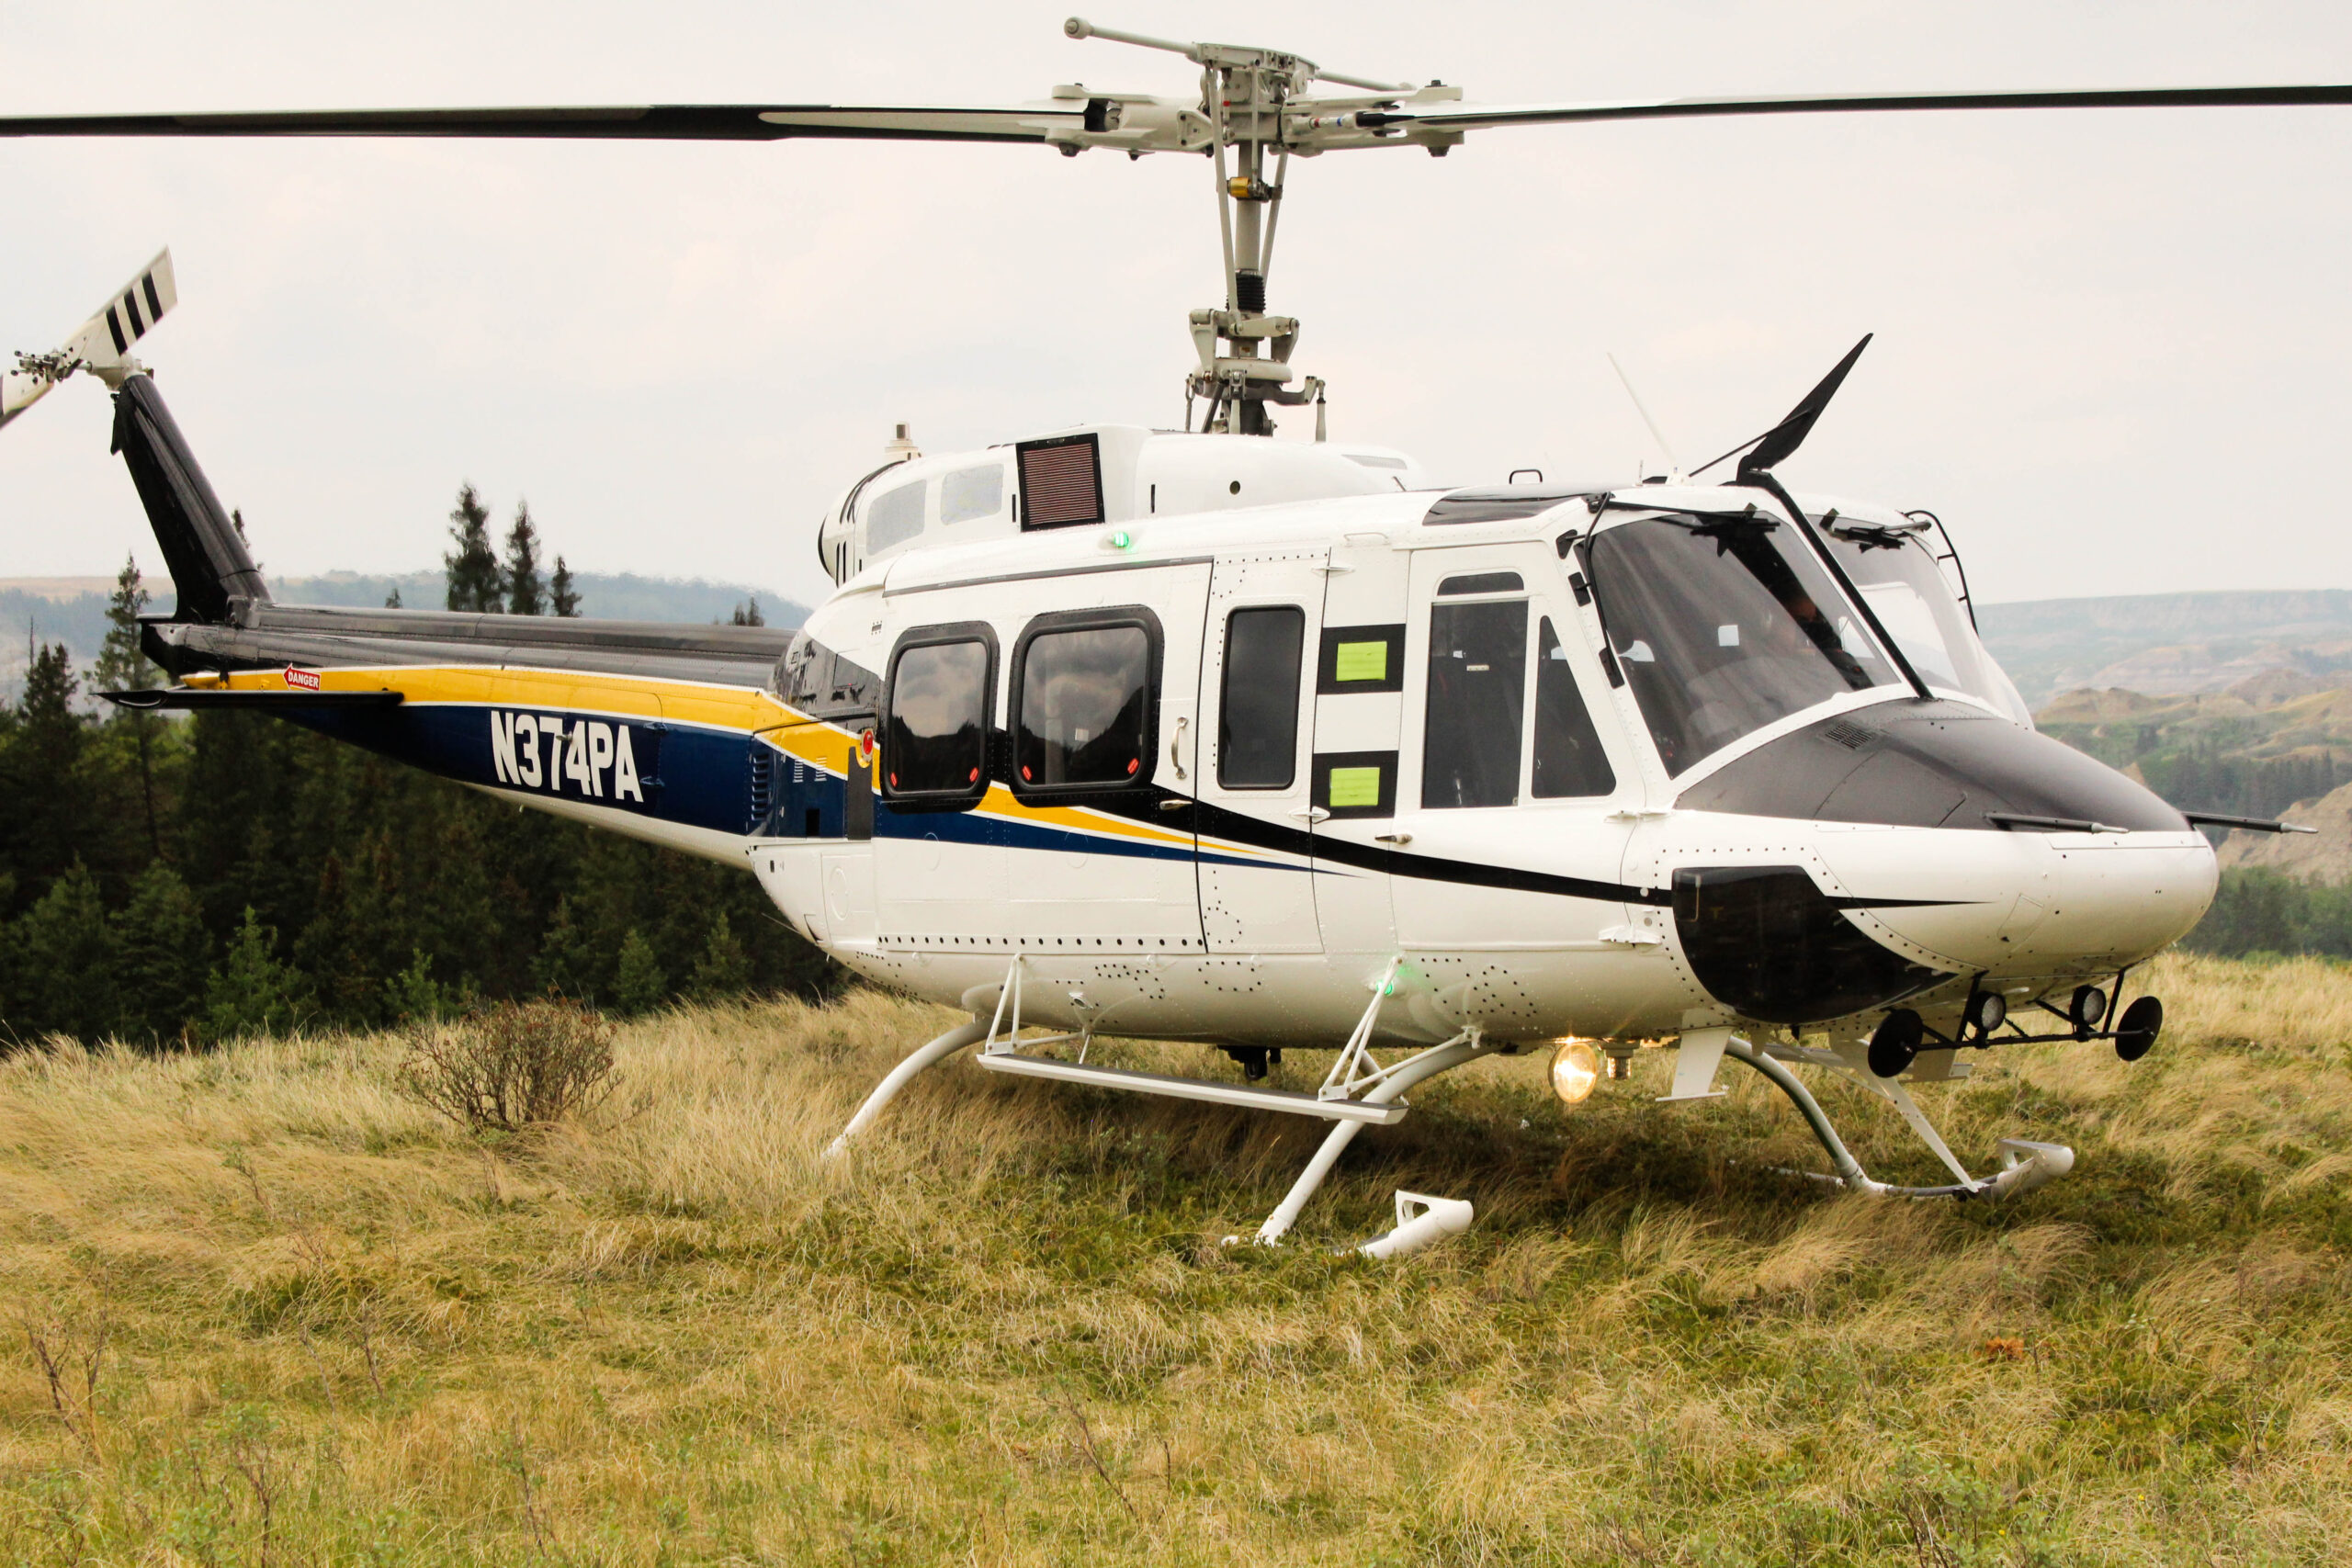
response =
{"points": [[1576, 1067]]}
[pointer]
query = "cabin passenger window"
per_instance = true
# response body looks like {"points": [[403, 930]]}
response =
{"points": [[971, 492], [1568, 759], [894, 518], [1081, 697], [934, 739], [1478, 685], [1257, 726]]}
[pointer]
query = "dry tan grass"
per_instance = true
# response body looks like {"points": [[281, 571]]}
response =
{"points": [[327, 1326]]}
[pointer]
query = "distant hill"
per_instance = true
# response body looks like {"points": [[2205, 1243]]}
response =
{"points": [[2161, 644], [72, 610], [625, 597]]}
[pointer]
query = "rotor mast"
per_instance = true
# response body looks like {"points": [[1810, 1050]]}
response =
{"points": [[1246, 97]]}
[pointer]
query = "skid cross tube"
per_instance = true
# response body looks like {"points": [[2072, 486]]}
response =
{"points": [[1466, 1046]]}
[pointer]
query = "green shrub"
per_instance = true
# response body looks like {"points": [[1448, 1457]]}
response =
{"points": [[511, 1066]]}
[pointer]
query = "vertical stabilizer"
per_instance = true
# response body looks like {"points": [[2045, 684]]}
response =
{"points": [[212, 571]]}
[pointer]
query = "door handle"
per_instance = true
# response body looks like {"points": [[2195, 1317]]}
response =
{"points": [[1399, 838], [1313, 815], [1176, 749]]}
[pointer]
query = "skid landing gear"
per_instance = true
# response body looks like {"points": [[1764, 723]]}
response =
{"points": [[1359, 1090], [2025, 1164]]}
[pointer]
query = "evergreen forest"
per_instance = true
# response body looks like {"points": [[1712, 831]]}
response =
{"points": [[182, 880]]}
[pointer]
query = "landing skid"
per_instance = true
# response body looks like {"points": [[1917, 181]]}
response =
{"points": [[1358, 1090], [2025, 1164]]}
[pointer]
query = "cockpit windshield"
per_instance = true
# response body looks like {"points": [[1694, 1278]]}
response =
{"points": [[1906, 591], [1725, 625]]}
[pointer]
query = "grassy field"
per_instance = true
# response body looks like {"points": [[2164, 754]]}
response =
{"points": [[260, 1309]]}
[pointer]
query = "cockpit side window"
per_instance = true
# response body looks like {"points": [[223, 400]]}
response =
{"points": [[1569, 761], [1723, 626]]}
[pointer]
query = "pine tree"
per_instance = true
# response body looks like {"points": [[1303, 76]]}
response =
{"points": [[475, 580], [413, 995], [525, 595], [560, 596], [640, 985], [49, 816], [252, 992], [723, 971], [161, 953], [393, 599], [122, 667], [62, 960], [568, 962], [747, 614]]}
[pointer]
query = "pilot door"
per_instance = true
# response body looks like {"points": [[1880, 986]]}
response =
{"points": [[1257, 870], [1519, 795]]}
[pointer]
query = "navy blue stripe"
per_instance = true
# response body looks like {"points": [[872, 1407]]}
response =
{"points": [[701, 777]]}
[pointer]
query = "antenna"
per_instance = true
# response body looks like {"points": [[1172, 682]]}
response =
{"points": [[1673, 463]]}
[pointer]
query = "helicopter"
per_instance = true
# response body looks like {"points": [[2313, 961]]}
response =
{"points": [[1193, 735]]}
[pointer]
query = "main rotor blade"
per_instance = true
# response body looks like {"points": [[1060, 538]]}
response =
{"points": [[1479, 117], [641, 122]]}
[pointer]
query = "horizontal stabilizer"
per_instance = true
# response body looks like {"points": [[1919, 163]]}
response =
{"points": [[265, 702]]}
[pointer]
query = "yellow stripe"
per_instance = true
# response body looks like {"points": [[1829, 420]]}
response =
{"points": [[722, 707], [826, 746]]}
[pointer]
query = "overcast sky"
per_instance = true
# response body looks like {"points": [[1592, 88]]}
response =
{"points": [[2113, 345]]}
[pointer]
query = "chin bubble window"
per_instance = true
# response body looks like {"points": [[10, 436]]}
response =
{"points": [[1084, 719], [935, 725]]}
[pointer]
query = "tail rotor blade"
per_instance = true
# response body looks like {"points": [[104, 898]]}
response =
{"points": [[101, 345]]}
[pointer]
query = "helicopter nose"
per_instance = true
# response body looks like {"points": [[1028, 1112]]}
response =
{"points": [[1906, 908], [2023, 903], [1944, 841]]}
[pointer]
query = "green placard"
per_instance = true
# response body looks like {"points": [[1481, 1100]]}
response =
{"points": [[1355, 786], [1361, 661]]}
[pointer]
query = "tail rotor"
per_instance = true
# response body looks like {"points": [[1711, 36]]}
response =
{"points": [[102, 344]]}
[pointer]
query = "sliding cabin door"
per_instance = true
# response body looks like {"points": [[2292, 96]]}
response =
{"points": [[1257, 867], [1101, 730]]}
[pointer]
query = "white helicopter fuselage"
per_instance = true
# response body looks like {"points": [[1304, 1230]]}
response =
{"points": [[1540, 761]]}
